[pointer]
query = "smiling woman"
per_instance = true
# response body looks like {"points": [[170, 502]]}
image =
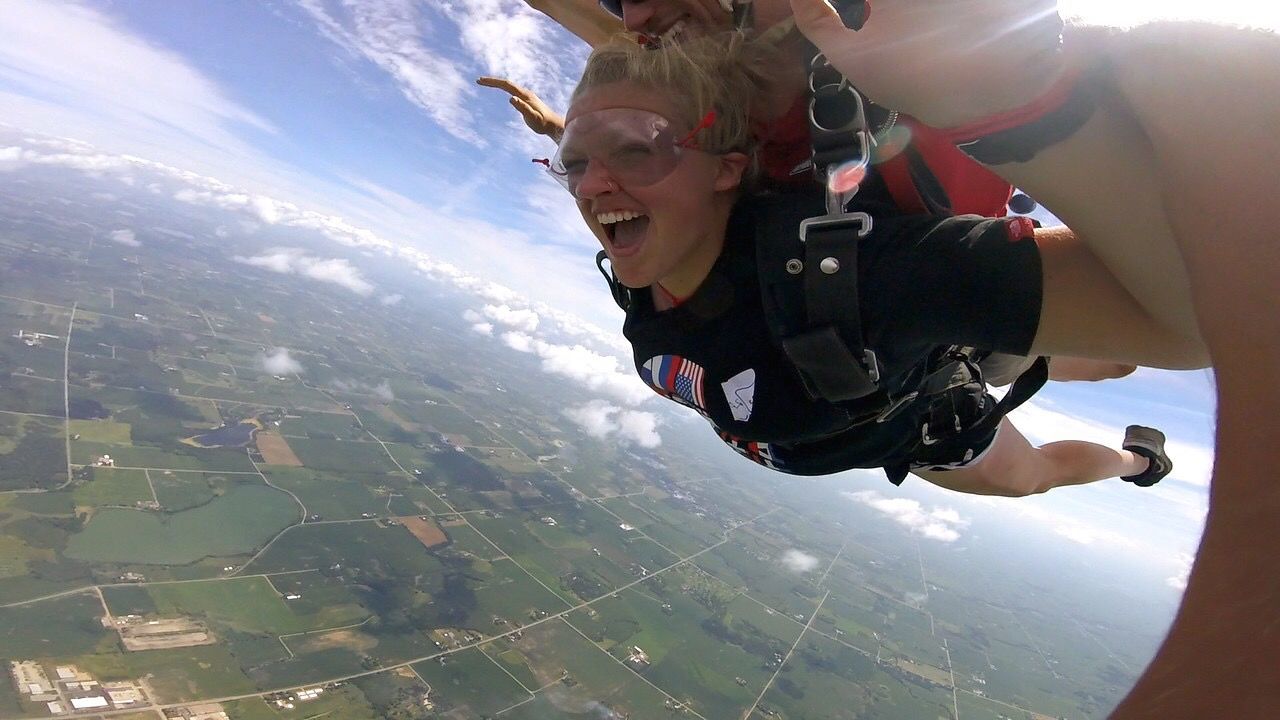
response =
{"points": [[697, 265]]}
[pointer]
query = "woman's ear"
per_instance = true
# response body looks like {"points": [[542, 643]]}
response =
{"points": [[731, 168]]}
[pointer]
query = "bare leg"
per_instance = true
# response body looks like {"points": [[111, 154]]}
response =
{"points": [[1068, 369], [1015, 468], [1000, 369]]}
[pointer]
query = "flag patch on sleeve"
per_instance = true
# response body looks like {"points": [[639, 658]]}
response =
{"points": [[677, 378]]}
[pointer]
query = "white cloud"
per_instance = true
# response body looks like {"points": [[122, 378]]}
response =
{"points": [[483, 328], [522, 319], [124, 237], [383, 390], [70, 69], [640, 428], [595, 419], [943, 524], [1086, 535], [1178, 580], [337, 271], [280, 362], [518, 341], [294, 261], [798, 562], [392, 34], [602, 420], [391, 300], [400, 37]]}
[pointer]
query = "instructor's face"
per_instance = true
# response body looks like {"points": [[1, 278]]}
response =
{"points": [[667, 18]]}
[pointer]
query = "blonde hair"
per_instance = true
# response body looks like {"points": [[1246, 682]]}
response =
{"points": [[724, 72]]}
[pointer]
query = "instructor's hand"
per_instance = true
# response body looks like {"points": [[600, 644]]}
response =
{"points": [[948, 62], [537, 115]]}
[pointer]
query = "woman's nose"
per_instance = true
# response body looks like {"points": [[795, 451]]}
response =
{"points": [[596, 180]]}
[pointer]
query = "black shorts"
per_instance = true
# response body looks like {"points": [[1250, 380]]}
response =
{"points": [[955, 429], [959, 428], [960, 281]]}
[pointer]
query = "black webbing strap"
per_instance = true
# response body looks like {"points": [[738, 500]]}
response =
{"points": [[621, 294], [1027, 384], [824, 342]]}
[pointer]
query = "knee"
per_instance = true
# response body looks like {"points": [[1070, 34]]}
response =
{"points": [[1117, 370]]}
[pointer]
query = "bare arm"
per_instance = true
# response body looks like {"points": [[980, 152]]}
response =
{"points": [[1219, 658], [1086, 312], [584, 18], [537, 114], [1203, 104]]}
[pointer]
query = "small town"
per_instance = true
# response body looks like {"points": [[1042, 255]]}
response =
{"points": [[68, 690]]}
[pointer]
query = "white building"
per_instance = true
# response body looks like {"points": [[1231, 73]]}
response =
{"points": [[89, 703]]}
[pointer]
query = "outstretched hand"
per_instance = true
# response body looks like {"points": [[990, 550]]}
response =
{"points": [[537, 115], [948, 62]]}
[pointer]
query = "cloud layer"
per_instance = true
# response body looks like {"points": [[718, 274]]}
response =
{"points": [[604, 421], [404, 40], [292, 261], [938, 523]]}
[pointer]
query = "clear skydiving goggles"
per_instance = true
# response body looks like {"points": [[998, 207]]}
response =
{"points": [[635, 148]]}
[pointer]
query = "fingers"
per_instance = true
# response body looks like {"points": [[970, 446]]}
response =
{"points": [[525, 109], [818, 21], [503, 84]]}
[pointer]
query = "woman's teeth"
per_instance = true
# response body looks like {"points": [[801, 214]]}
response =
{"points": [[610, 218]]}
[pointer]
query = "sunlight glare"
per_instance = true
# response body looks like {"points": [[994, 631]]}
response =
{"points": [[1135, 12]]}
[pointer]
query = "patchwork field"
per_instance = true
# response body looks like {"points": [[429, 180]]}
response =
{"points": [[508, 560], [236, 523], [427, 532], [275, 449]]}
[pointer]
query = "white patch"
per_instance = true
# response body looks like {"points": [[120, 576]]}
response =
{"points": [[740, 391]]}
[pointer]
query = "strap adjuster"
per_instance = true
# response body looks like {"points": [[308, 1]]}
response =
{"points": [[824, 222]]}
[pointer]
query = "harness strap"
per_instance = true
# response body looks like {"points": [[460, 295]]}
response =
{"points": [[896, 173], [940, 419], [621, 295], [1027, 384]]}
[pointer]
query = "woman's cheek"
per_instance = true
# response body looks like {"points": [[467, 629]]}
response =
{"points": [[592, 224]]}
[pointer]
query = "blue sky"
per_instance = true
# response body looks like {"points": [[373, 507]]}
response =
{"points": [[360, 119]]}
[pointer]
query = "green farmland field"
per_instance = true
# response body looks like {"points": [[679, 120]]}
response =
{"points": [[330, 495], [113, 487], [84, 453], [342, 456], [469, 678], [248, 604], [234, 524], [62, 626]]}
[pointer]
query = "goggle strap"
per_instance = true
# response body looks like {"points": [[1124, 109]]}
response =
{"points": [[707, 121]]}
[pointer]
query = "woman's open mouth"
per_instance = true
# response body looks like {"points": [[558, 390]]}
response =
{"points": [[625, 229]]}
